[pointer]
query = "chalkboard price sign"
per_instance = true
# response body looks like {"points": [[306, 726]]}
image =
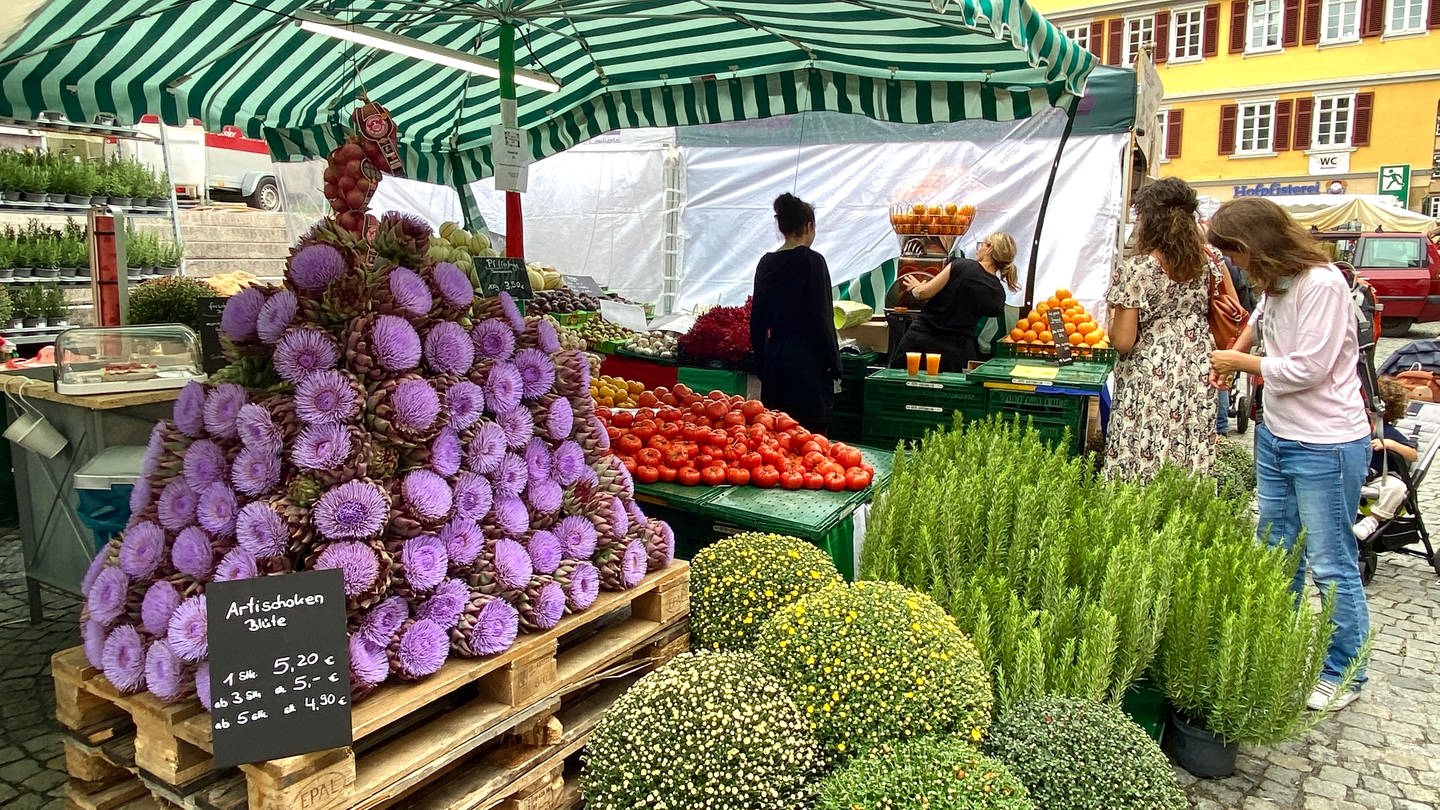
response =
{"points": [[209, 310], [583, 284], [505, 274], [279, 666]]}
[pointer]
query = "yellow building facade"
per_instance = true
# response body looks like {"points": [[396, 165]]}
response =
{"points": [[1281, 97]]}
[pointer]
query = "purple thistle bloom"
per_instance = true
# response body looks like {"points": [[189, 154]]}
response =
{"points": [[546, 337], [538, 459], [503, 385], [192, 554], [463, 541], [448, 350], [98, 563], [512, 565], [544, 550], [256, 472], [559, 419], [237, 564], [519, 427], [577, 537], [326, 397], [537, 373], [511, 514], [322, 447], [189, 413], [473, 497], [416, 405], [511, 311], [188, 634], [602, 436], [141, 494], [495, 627], [358, 564], [93, 634], [141, 549], [369, 665], [493, 340], [302, 352], [204, 464], [124, 659], [446, 605], [633, 564], [276, 316], [176, 507], [424, 646], [544, 496], [445, 452], [382, 621], [158, 606], [619, 518], [202, 683], [464, 401], [352, 510], [260, 531], [424, 561], [664, 551], [257, 430], [165, 673], [588, 477], [486, 449], [395, 343], [313, 267], [453, 285], [216, 509], [154, 448], [410, 292], [511, 477], [569, 463], [242, 311], [584, 587], [547, 606], [636, 515], [427, 494]]}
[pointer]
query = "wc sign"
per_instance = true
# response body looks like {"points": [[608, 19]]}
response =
{"points": [[1330, 163]]}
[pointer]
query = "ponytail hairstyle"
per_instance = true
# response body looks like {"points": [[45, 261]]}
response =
{"points": [[1002, 255], [793, 214], [1276, 244], [1168, 226]]}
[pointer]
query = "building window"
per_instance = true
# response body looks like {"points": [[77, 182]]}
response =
{"points": [[1139, 32], [1432, 207], [1341, 21], [1188, 34], [1162, 132], [1079, 34], [1405, 16], [1334, 116], [1264, 20], [1256, 124]]}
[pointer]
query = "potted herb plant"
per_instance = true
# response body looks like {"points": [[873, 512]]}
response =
{"points": [[7, 311], [70, 176], [47, 257], [116, 184], [31, 304], [167, 263], [10, 163], [33, 179], [7, 259], [169, 300], [56, 308], [159, 193]]}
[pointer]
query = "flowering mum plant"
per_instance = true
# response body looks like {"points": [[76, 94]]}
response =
{"points": [[939, 773], [739, 582]]}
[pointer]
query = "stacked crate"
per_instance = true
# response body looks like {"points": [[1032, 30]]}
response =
{"points": [[900, 407], [847, 415]]}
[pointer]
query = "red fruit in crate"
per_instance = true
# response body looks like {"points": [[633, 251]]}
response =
{"points": [[354, 168], [350, 151], [331, 174], [345, 184], [356, 199]]}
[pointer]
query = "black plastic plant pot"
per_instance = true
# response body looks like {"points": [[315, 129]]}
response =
{"points": [[47, 272], [99, 199], [123, 202], [24, 272], [159, 202], [1199, 750], [16, 323], [77, 199], [167, 271], [30, 323], [7, 273], [59, 322], [34, 196], [133, 272]]}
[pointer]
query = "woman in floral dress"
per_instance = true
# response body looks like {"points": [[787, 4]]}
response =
{"points": [[1164, 407]]}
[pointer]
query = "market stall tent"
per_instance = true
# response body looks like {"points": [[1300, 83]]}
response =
{"points": [[1372, 211]]}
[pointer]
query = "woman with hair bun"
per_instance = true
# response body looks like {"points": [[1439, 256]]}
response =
{"points": [[962, 293], [792, 324]]}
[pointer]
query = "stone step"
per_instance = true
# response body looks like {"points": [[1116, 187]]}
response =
{"points": [[236, 250], [234, 233], [271, 269], [245, 217]]}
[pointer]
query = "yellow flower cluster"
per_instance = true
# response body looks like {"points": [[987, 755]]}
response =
{"points": [[739, 582]]}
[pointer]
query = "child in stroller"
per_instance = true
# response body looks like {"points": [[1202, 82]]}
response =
{"points": [[1385, 490]]}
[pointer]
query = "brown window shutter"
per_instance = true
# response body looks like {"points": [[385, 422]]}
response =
{"points": [[1364, 115], [1304, 119], [1228, 114], [1290, 24], [1162, 36], [1237, 26], [1211, 31], [1372, 18], [1174, 129], [1284, 109], [1097, 38], [1434, 21], [1312, 23], [1115, 40]]}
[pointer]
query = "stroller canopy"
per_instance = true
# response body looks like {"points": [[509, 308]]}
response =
{"points": [[1422, 353]]}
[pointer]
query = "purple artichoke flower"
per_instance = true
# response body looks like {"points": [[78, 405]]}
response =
{"points": [[463, 541], [352, 510], [486, 449], [577, 537], [141, 495], [496, 627], [446, 604], [511, 514], [326, 397], [189, 414], [202, 683], [395, 343], [538, 459], [237, 564], [445, 452], [101, 559], [544, 496], [416, 405], [176, 507], [260, 531], [215, 511], [547, 605], [493, 340], [154, 449], [588, 478], [464, 402], [276, 316], [511, 311], [369, 665], [546, 337], [512, 565], [221, 407], [503, 385], [242, 311], [193, 555], [473, 497], [660, 546], [124, 659], [634, 564], [424, 645], [256, 472], [188, 635], [322, 447], [559, 420], [302, 352], [537, 373], [257, 430], [427, 494], [453, 285], [511, 477], [636, 515], [424, 561], [410, 292], [382, 621], [158, 606], [314, 267], [93, 634], [619, 518], [519, 427], [569, 465], [544, 550], [357, 562], [448, 350], [142, 547], [584, 587], [165, 674], [204, 463]]}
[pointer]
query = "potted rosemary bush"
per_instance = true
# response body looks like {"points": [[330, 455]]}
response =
{"points": [[7, 311], [31, 305], [56, 309]]}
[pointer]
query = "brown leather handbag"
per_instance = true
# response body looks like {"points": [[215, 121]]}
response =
{"points": [[1227, 317]]}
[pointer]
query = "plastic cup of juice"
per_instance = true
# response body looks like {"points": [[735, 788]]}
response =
{"points": [[912, 363], [932, 364]]}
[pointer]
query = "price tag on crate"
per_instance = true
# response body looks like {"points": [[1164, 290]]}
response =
{"points": [[279, 666], [1062, 343], [498, 273]]}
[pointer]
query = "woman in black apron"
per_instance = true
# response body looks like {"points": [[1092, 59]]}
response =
{"points": [[962, 293]]}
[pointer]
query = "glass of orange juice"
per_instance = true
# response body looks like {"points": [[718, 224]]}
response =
{"points": [[912, 363], [932, 364]]}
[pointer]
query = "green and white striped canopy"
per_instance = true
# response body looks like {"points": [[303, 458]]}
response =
{"points": [[619, 64]]}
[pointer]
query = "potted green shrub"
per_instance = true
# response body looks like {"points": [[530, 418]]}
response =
{"points": [[47, 257], [168, 261], [31, 305], [7, 311], [169, 300], [70, 177], [7, 258], [10, 163], [33, 179], [56, 308], [116, 182], [159, 191], [75, 250]]}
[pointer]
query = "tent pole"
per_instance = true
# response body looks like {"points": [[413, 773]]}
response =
{"points": [[1045, 206], [514, 217]]}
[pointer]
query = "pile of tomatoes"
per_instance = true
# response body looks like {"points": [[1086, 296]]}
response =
{"points": [[678, 436]]}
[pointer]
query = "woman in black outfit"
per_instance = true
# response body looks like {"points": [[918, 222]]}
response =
{"points": [[792, 326], [963, 292]]}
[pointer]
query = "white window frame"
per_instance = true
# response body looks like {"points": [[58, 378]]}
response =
{"points": [[1079, 33], [1431, 206], [1130, 47], [1198, 13], [1328, 11], [1415, 7], [1320, 114], [1275, 9], [1255, 108], [1162, 128]]}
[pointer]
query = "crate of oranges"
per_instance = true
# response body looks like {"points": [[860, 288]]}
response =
{"points": [[1032, 336], [948, 219], [616, 392]]}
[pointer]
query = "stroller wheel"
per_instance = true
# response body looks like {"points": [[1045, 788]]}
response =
{"points": [[1242, 414], [1369, 560]]}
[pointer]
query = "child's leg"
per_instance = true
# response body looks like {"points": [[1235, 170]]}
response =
{"points": [[1391, 495]]}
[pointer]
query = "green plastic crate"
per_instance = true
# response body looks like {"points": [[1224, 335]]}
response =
{"points": [[1146, 705], [819, 516], [1078, 376], [846, 426], [856, 366], [705, 380], [1050, 414]]}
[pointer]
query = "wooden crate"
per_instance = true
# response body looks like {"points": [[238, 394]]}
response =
{"points": [[491, 731]]}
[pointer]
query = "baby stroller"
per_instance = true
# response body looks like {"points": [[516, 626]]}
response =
{"points": [[1400, 533], [1244, 403]]}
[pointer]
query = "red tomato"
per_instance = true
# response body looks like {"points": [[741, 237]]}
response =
{"points": [[828, 467], [646, 474], [785, 422], [603, 412], [694, 433], [667, 474], [718, 438], [769, 455], [814, 480], [822, 441], [620, 419], [765, 476], [737, 476], [644, 428], [791, 479], [813, 459], [766, 420], [810, 446], [696, 408], [676, 455], [613, 433], [681, 390], [649, 457], [751, 408], [670, 430], [629, 462], [713, 476], [658, 442], [668, 399], [734, 418], [703, 460], [846, 455], [834, 480], [717, 396], [785, 441], [752, 460], [644, 413], [689, 476], [857, 479], [628, 444], [648, 399], [716, 409]]}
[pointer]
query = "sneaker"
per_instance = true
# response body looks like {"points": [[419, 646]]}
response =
{"points": [[1323, 697], [1365, 527]]}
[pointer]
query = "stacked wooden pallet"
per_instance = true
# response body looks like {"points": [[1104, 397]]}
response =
{"points": [[488, 733]]}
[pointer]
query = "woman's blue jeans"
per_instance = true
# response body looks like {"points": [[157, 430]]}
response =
{"points": [[1315, 488]]}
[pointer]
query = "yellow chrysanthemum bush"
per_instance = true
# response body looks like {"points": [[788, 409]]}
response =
{"points": [[739, 582]]}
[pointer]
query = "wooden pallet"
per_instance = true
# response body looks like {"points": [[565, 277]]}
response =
{"points": [[494, 718]]}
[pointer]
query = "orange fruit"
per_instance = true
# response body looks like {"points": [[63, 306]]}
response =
{"points": [[1076, 339], [918, 208], [1063, 293], [1017, 334], [1031, 336], [1047, 337], [1069, 328], [1093, 338], [1087, 327], [1069, 302]]}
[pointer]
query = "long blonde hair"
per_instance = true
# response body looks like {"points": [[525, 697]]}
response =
{"points": [[1002, 255], [1275, 242]]}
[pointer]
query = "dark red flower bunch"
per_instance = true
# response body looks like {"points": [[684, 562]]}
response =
{"points": [[721, 333]]}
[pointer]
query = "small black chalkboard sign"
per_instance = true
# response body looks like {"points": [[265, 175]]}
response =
{"points": [[497, 274], [583, 284], [1063, 356], [209, 310], [279, 666]]}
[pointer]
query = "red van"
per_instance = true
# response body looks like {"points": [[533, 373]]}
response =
{"points": [[1403, 266]]}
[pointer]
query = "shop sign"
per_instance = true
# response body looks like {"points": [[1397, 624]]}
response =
{"points": [[1330, 162], [1276, 189], [498, 274], [509, 148], [1394, 181]]}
